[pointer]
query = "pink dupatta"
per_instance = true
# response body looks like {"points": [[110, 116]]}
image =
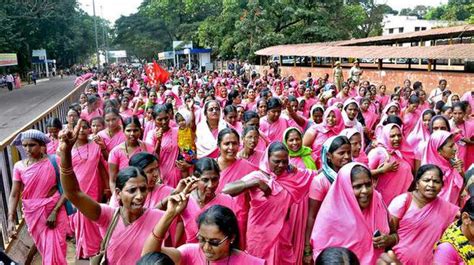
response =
{"points": [[341, 222], [453, 181]]}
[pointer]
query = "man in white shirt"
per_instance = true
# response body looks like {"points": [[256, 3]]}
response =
{"points": [[437, 94], [9, 79]]}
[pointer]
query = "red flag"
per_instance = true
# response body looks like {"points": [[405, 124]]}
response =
{"points": [[160, 74]]}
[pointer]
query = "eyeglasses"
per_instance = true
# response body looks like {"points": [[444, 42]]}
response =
{"points": [[215, 109], [211, 242]]}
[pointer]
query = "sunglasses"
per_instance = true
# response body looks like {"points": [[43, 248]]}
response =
{"points": [[211, 242]]}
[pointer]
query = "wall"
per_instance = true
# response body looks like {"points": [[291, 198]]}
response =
{"points": [[458, 82]]}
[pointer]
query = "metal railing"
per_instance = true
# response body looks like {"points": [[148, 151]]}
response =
{"points": [[9, 155]]}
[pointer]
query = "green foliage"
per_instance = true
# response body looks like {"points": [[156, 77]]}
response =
{"points": [[60, 27], [455, 10], [238, 28]]}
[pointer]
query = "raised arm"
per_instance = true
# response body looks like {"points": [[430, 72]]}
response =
{"points": [[240, 186], [85, 204]]}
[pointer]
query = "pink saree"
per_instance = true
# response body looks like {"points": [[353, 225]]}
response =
{"points": [[273, 131], [111, 142], [453, 181], [85, 161], [168, 155], [418, 232], [191, 254], [355, 227], [38, 179], [126, 243], [390, 184]]}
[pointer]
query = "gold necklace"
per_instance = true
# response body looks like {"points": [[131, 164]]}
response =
{"points": [[29, 162]]}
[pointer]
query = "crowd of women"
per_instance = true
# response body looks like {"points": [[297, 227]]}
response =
{"points": [[215, 168]]}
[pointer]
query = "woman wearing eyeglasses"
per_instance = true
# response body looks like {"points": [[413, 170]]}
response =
{"points": [[218, 237], [208, 129]]}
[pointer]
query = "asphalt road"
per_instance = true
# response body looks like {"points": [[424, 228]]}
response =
{"points": [[20, 106]]}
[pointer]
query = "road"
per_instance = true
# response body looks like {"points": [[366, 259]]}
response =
{"points": [[20, 106]]}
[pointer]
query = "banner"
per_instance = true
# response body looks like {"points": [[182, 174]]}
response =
{"points": [[7, 59]]}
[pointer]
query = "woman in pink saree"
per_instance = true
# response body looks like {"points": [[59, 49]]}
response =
{"points": [[370, 117], [251, 118], [134, 220], [355, 138], [218, 238], [317, 134], [53, 126], [165, 141], [88, 162], [273, 125], [360, 214], [273, 190], [419, 136], [387, 163], [420, 217], [34, 179], [207, 130], [410, 115], [250, 139], [441, 151], [465, 130], [300, 156], [112, 135]]}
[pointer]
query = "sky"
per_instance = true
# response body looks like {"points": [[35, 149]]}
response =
{"points": [[113, 9]]}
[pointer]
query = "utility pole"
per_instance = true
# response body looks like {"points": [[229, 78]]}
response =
{"points": [[106, 47], [96, 40]]}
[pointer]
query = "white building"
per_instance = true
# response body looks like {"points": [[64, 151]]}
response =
{"points": [[393, 24]]}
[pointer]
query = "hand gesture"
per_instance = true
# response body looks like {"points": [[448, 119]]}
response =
{"points": [[177, 203], [458, 164], [68, 138], [390, 166], [262, 185], [183, 183], [51, 221], [159, 133], [182, 165], [382, 241], [99, 141], [388, 258]]}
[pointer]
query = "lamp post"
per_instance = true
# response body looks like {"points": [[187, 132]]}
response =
{"points": [[96, 40]]}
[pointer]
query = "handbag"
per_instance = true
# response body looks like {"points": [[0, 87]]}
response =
{"points": [[100, 258], [70, 209]]}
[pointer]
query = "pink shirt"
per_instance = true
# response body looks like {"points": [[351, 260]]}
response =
{"points": [[118, 156], [192, 254], [319, 187]]}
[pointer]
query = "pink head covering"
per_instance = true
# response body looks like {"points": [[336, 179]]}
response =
{"points": [[338, 127], [362, 158], [341, 222], [348, 122], [419, 134], [431, 155], [384, 141]]}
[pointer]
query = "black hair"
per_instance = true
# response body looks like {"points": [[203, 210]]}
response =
{"points": [[91, 99], [417, 85], [351, 104], [225, 132], [98, 118], [428, 111], [393, 119], [274, 103], [206, 105], [422, 170], [229, 109], [75, 110], [460, 105], [445, 108], [205, 164], [249, 129], [54, 123], [127, 173], [413, 99], [336, 255], [142, 160], [437, 117], [338, 142], [468, 208], [320, 108], [112, 103], [393, 95], [445, 142], [132, 120], [447, 93], [231, 96], [225, 220], [169, 107], [155, 258], [276, 147], [359, 169], [261, 100], [113, 111], [439, 105], [159, 108], [264, 93], [442, 80], [292, 98], [249, 114]]}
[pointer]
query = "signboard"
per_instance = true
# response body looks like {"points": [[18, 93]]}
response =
{"points": [[178, 44], [7, 59], [39, 53], [118, 54], [168, 55]]}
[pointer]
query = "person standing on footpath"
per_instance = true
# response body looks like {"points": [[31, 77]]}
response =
{"points": [[9, 79]]}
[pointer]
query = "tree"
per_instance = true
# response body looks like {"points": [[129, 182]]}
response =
{"points": [[455, 10]]}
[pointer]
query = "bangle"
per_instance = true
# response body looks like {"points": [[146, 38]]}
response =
{"points": [[155, 236], [67, 171]]}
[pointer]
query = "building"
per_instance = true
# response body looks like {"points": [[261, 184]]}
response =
{"points": [[393, 24]]}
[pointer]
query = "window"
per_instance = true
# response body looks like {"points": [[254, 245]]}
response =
{"points": [[423, 28], [400, 30], [390, 31], [417, 28]]}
